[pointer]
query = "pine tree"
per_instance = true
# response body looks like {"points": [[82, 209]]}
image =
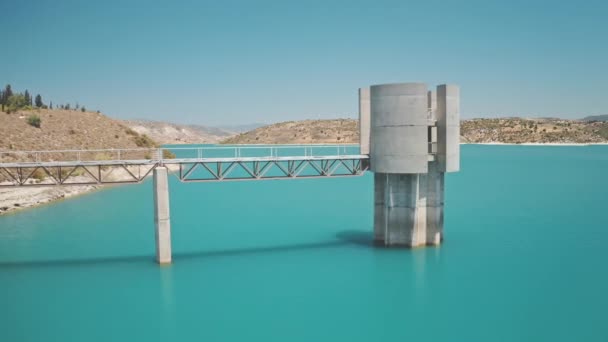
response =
{"points": [[28, 97], [39, 101], [8, 92], [51, 105]]}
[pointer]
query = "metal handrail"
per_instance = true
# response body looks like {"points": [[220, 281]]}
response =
{"points": [[200, 152]]}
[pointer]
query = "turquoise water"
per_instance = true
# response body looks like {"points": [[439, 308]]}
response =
{"points": [[524, 259]]}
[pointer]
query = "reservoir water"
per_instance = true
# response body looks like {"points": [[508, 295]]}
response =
{"points": [[524, 259]]}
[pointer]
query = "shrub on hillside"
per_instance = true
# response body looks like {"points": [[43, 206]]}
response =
{"points": [[144, 141], [131, 132], [34, 120], [168, 154], [39, 175]]}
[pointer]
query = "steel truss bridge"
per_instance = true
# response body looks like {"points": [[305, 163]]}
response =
{"points": [[189, 164]]}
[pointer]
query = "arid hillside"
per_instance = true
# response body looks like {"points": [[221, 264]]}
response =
{"points": [[58, 130], [66, 129], [338, 131], [521, 131], [507, 130]]}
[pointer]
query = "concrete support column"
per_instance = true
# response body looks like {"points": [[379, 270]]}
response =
{"points": [[434, 204], [400, 209], [162, 218]]}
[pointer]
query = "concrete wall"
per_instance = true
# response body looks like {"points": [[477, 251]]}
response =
{"points": [[399, 128], [448, 127], [432, 104], [364, 119]]}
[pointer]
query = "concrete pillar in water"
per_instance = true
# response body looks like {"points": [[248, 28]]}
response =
{"points": [[364, 120], [406, 130], [162, 218]]}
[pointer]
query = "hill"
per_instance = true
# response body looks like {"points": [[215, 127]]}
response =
{"points": [[504, 130], [596, 118], [66, 129], [59, 129], [338, 131], [169, 133], [541, 131]]}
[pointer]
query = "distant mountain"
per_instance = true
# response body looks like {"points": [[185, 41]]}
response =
{"points": [[596, 118], [170, 133]]}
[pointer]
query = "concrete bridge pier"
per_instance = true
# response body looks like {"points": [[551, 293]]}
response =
{"points": [[162, 218], [414, 138]]}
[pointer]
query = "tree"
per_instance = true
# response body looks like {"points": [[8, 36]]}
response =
{"points": [[4, 95], [51, 105], [67, 106], [83, 109], [28, 97], [39, 101], [16, 102], [8, 92]]}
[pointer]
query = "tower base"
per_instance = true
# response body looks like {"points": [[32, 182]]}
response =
{"points": [[408, 208]]}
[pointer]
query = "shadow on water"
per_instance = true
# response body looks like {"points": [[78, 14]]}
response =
{"points": [[357, 237], [343, 238]]}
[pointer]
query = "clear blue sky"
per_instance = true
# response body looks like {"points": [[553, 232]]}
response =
{"points": [[230, 62]]}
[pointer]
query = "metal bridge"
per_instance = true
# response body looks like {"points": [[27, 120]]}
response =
{"points": [[189, 164]]}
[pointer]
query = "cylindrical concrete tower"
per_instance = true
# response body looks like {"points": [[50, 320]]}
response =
{"points": [[414, 139], [399, 128]]}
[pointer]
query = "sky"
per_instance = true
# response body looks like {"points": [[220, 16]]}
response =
{"points": [[240, 62]]}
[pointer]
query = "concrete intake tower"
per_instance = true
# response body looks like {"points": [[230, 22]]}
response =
{"points": [[412, 136]]}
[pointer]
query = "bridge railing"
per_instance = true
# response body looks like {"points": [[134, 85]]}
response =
{"points": [[79, 155], [172, 152], [259, 151]]}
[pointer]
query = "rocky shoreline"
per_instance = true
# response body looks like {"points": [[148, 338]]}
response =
{"points": [[18, 198], [14, 199]]}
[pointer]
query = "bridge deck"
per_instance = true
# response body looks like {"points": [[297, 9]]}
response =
{"points": [[79, 171], [175, 161]]}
